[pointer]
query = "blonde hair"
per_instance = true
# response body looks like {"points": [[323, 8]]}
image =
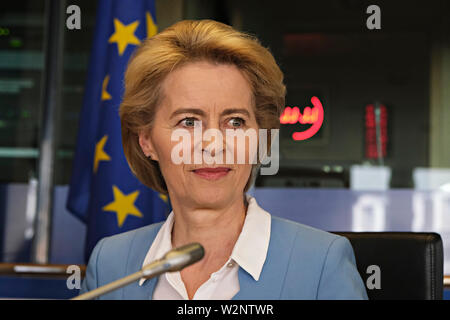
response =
{"points": [[189, 41]]}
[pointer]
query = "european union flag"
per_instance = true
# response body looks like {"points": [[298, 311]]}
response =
{"points": [[103, 192]]}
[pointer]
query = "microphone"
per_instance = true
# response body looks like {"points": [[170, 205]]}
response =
{"points": [[174, 260]]}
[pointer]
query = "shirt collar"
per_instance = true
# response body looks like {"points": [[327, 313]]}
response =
{"points": [[250, 249]]}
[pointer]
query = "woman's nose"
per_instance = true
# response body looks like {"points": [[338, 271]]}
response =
{"points": [[212, 142]]}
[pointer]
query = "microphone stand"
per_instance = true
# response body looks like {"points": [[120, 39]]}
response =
{"points": [[174, 260]]}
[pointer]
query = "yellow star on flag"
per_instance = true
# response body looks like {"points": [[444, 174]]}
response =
{"points": [[124, 35], [123, 205], [152, 28], [105, 93], [163, 197], [100, 154]]}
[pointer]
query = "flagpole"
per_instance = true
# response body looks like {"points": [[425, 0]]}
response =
{"points": [[51, 88]]}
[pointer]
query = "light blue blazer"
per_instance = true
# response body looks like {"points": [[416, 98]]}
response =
{"points": [[302, 263]]}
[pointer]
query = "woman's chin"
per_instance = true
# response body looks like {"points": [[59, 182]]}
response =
{"points": [[211, 195]]}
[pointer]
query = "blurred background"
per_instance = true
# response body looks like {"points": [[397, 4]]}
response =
{"points": [[379, 162]]}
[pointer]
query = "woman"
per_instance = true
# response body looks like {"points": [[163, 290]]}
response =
{"points": [[206, 75]]}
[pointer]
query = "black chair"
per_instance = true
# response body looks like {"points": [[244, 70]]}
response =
{"points": [[410, 264]]}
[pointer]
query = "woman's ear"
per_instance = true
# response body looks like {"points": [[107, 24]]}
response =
{"points": [[147, 146]]}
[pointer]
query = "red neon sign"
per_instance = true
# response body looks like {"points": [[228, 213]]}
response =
{"points": [[310, 115]]}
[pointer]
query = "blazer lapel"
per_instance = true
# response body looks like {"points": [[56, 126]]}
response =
{"points": [[149, 288], [247, 286], [266, 288], [138, 249], [271, 281]]}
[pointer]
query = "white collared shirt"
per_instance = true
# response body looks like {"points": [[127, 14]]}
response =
{"points": [[249, 253]]}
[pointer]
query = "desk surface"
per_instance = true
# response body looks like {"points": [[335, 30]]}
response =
{"points": [[38, 270]]}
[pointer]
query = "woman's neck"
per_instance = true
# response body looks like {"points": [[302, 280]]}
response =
{"points": [[215, 229]]}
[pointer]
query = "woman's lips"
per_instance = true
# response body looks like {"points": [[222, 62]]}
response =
{"points": [[212, 173]]}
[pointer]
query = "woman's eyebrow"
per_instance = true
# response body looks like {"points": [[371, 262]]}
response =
{"points": [[200, 112], [187, 110], [235, 110]]}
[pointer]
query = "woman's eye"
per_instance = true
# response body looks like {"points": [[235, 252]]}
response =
{"points": [[190, 122], [236, 122]]}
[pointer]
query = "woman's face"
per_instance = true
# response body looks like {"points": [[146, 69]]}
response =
{"points": [[202, 95]]}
